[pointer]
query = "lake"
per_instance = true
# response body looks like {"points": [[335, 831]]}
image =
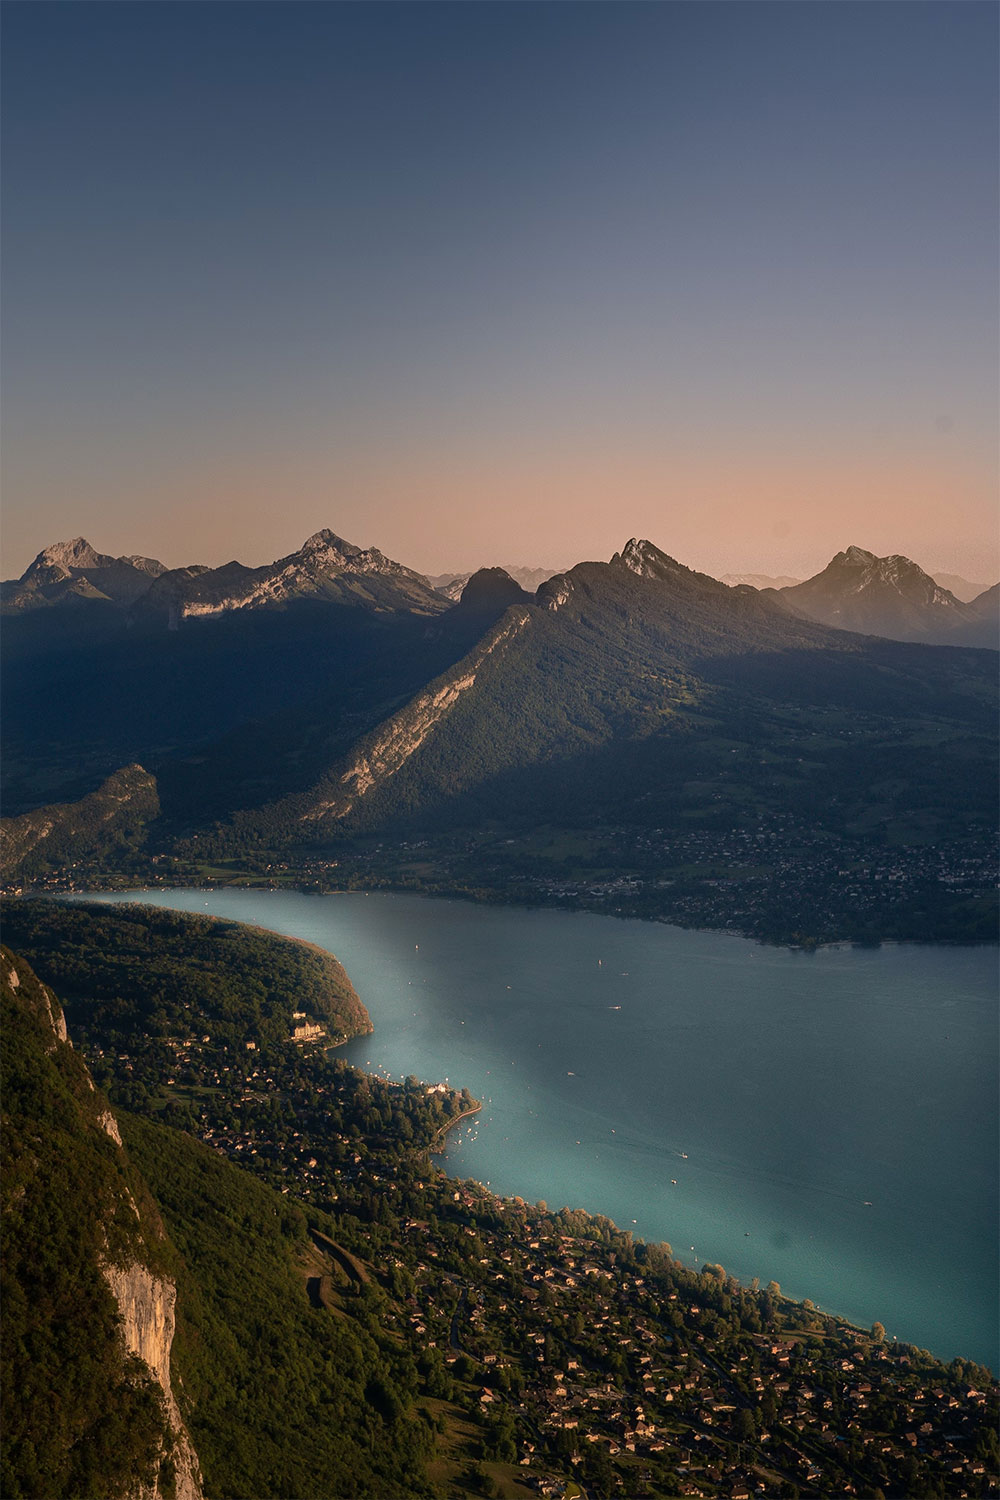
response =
{"points": [[826, 1120]]}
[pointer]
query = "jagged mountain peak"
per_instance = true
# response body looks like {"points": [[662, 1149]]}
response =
{"points": [[890, 596], [894, 572], [643, 558], [144, 564], [327, 538], [73, 572], [61, 559], [325, 546], [855, 557], [66, 556], [325, 567], [329, 554], [646, 560]]}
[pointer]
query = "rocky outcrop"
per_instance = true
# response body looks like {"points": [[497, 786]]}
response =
{"points": [[146, 1303], [554, 593], [892, 597], [384, 752], [37, 997], [73, 573], [324, 568]]}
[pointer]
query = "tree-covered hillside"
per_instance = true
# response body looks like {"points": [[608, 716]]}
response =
{"points": [[82, 1419], [352, 1322]]}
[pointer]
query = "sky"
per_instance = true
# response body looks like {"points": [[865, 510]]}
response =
{"points": [[502, 282]]}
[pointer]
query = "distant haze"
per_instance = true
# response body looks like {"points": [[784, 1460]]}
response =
{"points": [[477, 282]]}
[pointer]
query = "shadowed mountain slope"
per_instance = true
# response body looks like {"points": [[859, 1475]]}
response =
{"points": [[640, 651], [208, 652]]}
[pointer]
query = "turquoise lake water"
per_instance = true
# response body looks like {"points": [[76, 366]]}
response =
{"points": [[824, 1120]]}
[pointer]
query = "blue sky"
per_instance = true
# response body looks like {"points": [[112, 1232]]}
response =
{"points": [[502, 282]]}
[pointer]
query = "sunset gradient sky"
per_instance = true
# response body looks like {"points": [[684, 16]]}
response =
{"points": [[502, 282]]}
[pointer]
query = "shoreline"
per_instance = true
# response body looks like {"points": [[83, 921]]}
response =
{"points": [[498, 898], [443, 1130], [437, 1144], [284, 937]]}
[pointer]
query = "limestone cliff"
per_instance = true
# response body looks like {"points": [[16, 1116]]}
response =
{"points": [[146, 1303], [384, 752], [73, 1233]]}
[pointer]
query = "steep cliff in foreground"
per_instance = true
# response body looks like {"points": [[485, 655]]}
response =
{"points": [[146, 1303], [88, 1407]]}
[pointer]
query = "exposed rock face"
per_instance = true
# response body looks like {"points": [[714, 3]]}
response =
{"points": [[641, 557], [110, 1126], [384, 752], [888, 596], [73, 573], [39, 998], [647, 561], [554, 593], [146, 1303], [58, 1021], [324, 567]]}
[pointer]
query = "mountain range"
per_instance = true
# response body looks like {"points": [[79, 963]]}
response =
{"points": [[452, 584], [858, 591], [335, 696], [325, 567], [758, 580]]}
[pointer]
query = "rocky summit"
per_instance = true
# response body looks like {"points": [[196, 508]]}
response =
{"points": [[888, 596]]}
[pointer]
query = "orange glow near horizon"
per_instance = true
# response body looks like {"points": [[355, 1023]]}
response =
{"points": [[722, 511]]}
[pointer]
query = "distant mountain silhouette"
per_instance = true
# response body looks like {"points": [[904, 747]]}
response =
{"points": [[758, 581], [452, 584], [888, 596], [73, 573]]}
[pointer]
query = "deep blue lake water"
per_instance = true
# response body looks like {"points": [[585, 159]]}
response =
{"points": [[825, 1120]]}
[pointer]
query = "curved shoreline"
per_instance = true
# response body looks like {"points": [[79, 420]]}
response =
{"points": [[437, 1143], [443, 1130]]}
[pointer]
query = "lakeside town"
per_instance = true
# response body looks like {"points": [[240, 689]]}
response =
{"points": [[557, 1355]]}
